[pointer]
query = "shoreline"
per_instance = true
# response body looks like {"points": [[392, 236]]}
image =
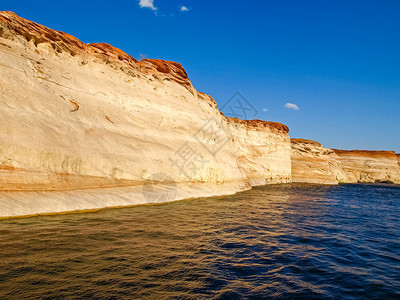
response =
{"points": [[93, 126], [32, 203], [121, 197]]}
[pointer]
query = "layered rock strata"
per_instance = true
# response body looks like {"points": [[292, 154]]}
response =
{"points": [[312, 163], [77, 118], [87, 126], [369, 166], [262, 148]]}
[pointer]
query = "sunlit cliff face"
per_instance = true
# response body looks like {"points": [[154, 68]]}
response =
{"points": [[311, 162], [89, 116], [79, 116]]}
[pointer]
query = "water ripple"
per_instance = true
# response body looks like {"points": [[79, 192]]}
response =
{"points": [[284, 241]]}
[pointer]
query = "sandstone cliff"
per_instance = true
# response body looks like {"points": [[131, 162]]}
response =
{"points": [[89, 116], [312, 163], [370, 166], [87, 126], [263, 149]]}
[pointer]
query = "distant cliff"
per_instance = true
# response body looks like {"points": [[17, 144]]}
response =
{"points": [[89, 116], [370, 166], [312, 163]]}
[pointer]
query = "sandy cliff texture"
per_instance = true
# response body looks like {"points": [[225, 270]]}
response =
{"points": [[312, 163], [370, 166], [80, 116], [263, 148]]}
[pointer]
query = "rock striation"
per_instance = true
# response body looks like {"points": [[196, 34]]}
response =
{"points": [[312, 163], [369, 166], [86, 126], [262, 150]]}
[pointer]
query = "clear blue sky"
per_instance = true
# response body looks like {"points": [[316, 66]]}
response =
{"points": [[338, 60]]}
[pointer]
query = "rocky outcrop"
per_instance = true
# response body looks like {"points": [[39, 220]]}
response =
{"points": [[87, 126], [312, 163], [262, 148], [78, 116], [369, 166]]}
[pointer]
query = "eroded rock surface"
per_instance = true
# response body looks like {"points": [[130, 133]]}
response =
{"points": [[89, 116], [312, 163], [370, 166]]}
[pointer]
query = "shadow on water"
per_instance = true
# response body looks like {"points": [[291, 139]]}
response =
{"points": [[274, 241]]}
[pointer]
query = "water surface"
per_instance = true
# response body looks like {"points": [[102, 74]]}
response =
{"points": [[283, 241]]}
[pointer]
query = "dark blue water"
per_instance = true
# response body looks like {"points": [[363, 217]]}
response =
{"points": [[285, 241]]}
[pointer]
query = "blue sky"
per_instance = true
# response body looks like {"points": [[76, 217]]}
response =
{"points": [[338, 61]]}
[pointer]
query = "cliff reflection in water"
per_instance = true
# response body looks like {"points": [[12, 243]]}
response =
{"points": [[284, 240]]}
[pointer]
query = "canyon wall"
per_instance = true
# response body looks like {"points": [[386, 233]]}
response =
{"points": [[369, 166], [77, 119], [262, 150], [87, 126], [312, 163]]}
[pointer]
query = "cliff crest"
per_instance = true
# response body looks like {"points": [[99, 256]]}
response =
{"points": [[80, 116], [89, 116], [260, 124], [63, 42], [297, 141]]}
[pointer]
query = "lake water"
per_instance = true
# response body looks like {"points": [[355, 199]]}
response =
{"points": [[283, 241]]}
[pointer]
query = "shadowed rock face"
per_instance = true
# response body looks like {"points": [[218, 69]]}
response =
{"points": [[311, 162], [79, 116]]}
